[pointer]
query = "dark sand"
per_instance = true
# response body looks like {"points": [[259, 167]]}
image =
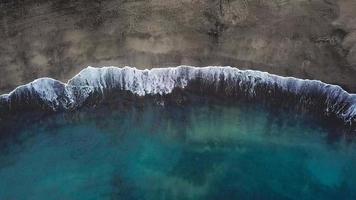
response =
{"points": [[313, 39]]}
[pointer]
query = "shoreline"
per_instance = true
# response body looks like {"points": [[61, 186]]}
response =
{"points": [[93, 85]]}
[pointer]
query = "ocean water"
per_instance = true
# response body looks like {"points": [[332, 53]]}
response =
{"points": [[196, 151]]}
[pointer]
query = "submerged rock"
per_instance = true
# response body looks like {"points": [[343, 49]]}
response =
{"points": [[92, 85]]}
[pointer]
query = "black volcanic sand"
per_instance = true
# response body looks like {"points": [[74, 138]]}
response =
{"points": [[306, 39]]}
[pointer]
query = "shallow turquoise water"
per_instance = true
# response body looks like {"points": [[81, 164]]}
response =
{"points": [[198, 151]]}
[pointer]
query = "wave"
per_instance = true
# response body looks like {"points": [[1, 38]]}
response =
{"points": [[51, 94]]}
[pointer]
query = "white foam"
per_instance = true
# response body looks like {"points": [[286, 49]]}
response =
{"points": [[163, 80]]}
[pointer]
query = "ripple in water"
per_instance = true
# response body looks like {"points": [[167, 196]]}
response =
{"points": [[197, 151]]}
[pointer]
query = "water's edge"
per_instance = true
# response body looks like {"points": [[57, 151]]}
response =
{"points": [[95, 84]]}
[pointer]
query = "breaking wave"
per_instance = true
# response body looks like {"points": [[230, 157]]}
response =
{"points": [[93, 85]]}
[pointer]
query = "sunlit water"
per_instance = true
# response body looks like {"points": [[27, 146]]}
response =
{"points": [[202, 151]]}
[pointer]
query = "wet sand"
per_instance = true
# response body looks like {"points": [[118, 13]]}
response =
{"points": [[305, 39]]}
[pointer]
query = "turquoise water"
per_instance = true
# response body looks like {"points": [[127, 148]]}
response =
{"points": [[202, 151]]}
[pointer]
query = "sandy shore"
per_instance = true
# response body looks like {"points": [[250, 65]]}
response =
{"points": [[305, 39]]}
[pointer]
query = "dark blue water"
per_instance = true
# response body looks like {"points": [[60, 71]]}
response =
{"points": [[176, 152]]}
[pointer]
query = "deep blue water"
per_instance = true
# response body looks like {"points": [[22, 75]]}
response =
{"points": [[203, 151]]}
